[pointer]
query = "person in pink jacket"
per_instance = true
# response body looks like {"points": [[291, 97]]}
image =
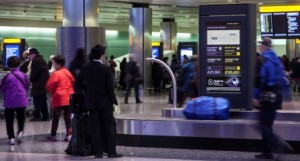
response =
{"points": [[60, 86]]}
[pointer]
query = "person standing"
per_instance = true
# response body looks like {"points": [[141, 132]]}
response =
{"points": [[24, 64], [38, 77], [60, 85], [123, 74], [113, 65], [132, 73], [76, 64], [96, 79], [157, 76], [270, 70], [14, 86]]}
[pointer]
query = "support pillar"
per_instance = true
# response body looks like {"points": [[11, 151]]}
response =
{"points": [[80, 28], [168, 34], [140, 29]]}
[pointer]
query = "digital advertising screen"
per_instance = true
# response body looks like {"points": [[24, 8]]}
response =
{"points": [[186, 51], [11, 50], [155, 52], [223, 53]]}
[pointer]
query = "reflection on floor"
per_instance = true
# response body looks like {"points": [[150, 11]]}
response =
{"points": [[36, 147]]}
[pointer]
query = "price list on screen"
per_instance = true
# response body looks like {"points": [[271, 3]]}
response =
{"points": [[223, 70]]}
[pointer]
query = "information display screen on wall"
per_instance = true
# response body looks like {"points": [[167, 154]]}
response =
{"points": [[186, 51], [223, 72], [155, 52], [280, 22], [11, 50]]}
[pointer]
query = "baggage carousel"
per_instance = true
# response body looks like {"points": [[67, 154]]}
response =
{"points": [[171, 130]]}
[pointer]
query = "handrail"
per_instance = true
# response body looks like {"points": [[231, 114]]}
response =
{"points": [[172, 77]]}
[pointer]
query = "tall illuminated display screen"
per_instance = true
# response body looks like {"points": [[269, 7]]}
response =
{"points": [[11, 50], [188, 51], [12, 47], [223, 70], [155, 52]]}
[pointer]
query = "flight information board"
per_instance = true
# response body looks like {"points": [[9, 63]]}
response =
{"points": [[223, 69], [280, 25]]}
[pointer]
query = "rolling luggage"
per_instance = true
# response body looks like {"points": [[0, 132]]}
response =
{"points": [[80, 143]]}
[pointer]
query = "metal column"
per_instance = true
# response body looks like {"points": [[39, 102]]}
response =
{"points": [[168, 34], [140, 29], [80, 28]]}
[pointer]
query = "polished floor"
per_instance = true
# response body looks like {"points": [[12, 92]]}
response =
{"points": [[36, 146]]}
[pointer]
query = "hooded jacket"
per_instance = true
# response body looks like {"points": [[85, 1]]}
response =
{"points": [[270, 71]]}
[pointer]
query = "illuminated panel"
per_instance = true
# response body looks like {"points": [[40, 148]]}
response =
{"points": [[12, 41], [291, 8]]}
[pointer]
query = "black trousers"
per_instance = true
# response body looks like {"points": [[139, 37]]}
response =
{"points": [[40, 107], [9, 118], [55, 120], [136, 91], [103, 130]]}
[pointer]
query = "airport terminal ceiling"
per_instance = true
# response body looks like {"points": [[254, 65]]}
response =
{"points": [[116, 12]]}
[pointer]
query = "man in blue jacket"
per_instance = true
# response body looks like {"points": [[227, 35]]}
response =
{"points": [[270, 76]]}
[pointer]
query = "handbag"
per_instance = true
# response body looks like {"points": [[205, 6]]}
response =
{"points": [[268, 97], [77, 103]]}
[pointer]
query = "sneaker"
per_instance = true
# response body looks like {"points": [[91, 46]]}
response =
{"points": [[52, 138], [11, 141], [264, 156], [20, 137], [68, 138]]}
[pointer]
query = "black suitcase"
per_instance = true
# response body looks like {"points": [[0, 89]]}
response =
{"points": [[80, 143]]}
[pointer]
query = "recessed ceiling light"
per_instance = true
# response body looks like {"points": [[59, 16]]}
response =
{"points": [[260, 3]]}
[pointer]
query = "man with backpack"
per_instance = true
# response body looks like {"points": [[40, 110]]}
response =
{"points": [[268, 98]]}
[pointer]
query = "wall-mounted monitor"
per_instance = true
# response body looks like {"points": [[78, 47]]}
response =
{"points": [[280, 22], [12, 50], [186, 51], [186, 48], [13, 47], [155, 52]]}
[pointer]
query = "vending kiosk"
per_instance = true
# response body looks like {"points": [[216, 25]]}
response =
{"points": [[186, 48], [12, 47], [157, 50]]}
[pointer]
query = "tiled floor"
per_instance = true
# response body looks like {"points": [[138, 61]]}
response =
{"points": [[36, 147]]}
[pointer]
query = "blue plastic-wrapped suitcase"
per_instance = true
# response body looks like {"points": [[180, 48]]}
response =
{"points": [[207, 108]]}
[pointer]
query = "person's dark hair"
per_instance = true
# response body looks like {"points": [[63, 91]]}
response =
{"points": [[173, 56], [79, 54], [13, 62], [97, 51], [166, 59], [59, 60], [112, 57], [124, 60]]}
